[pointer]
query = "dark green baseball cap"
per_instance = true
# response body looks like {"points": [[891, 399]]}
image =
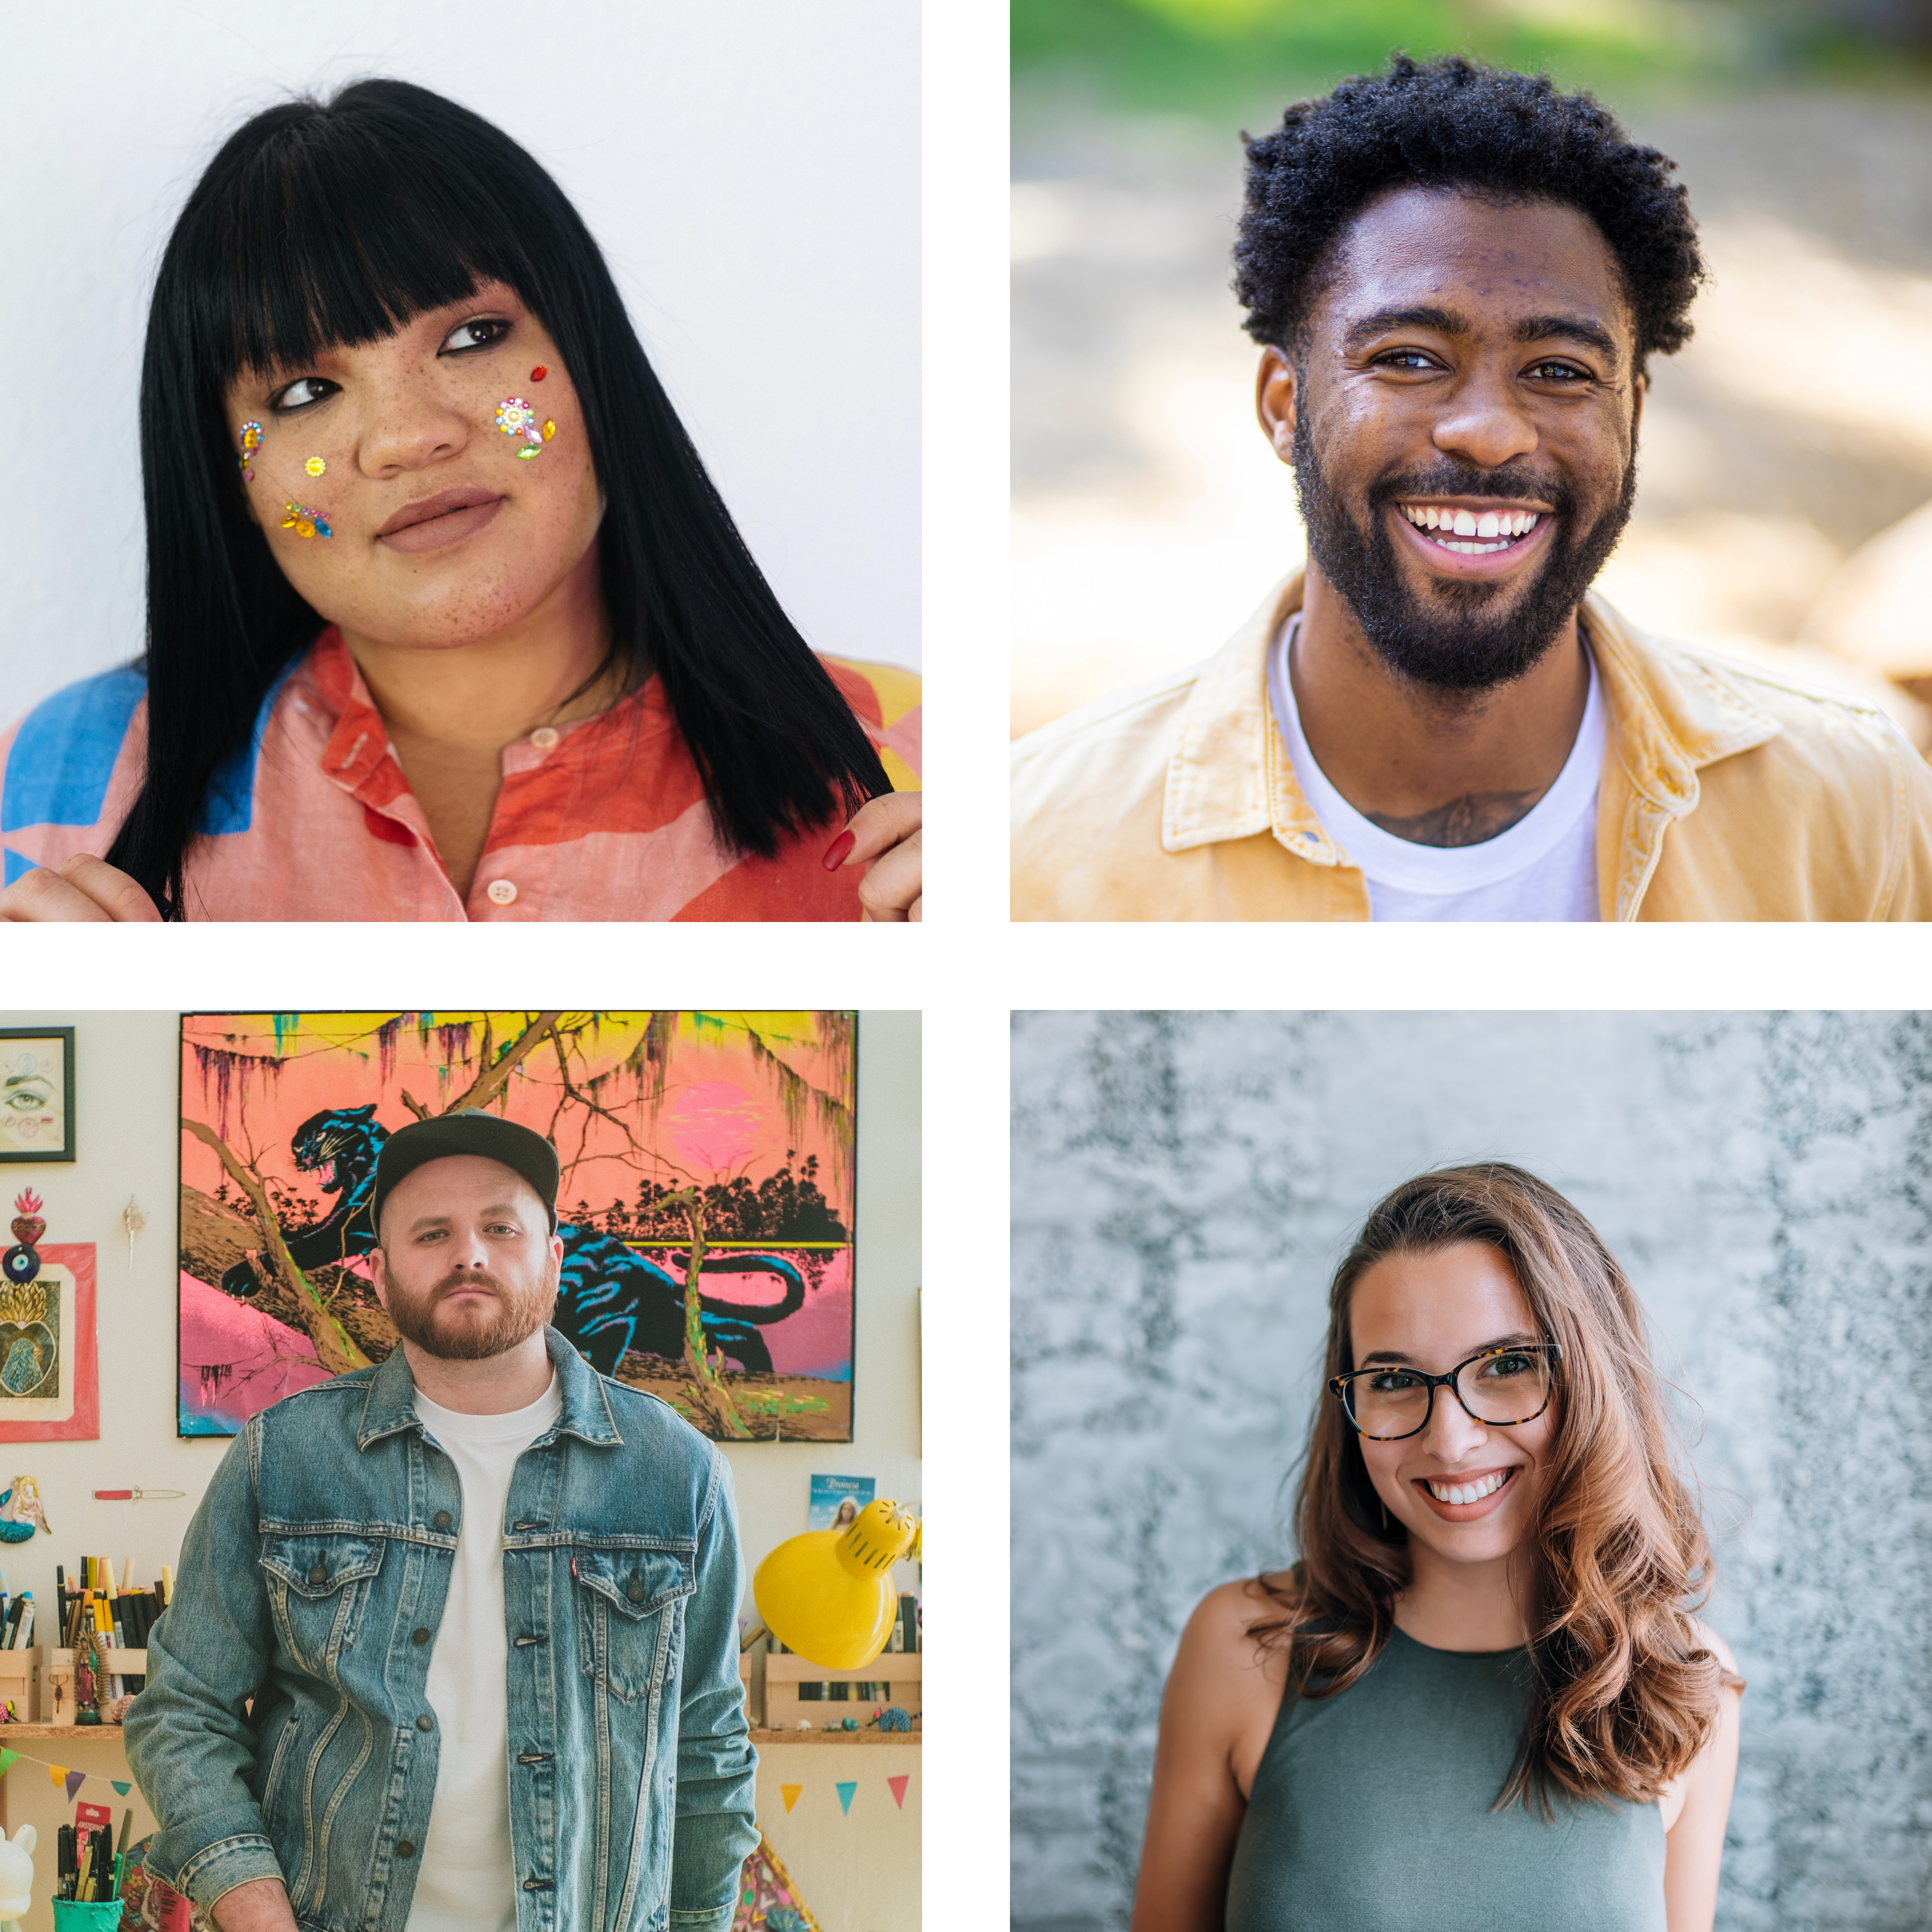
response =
{"points": [[468, 1130]]}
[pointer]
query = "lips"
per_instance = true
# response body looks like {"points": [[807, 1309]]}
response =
{"points": [[1479, 1479], [440, 505], [1508, 555]]}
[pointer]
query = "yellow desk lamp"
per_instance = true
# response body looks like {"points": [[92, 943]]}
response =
{"points": [[828, 1594]]}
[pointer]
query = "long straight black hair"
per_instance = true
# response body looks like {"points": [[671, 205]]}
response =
{"points": [[337, 223]]}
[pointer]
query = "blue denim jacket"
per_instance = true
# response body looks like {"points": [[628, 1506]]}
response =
{"points": [[312, 1579]]}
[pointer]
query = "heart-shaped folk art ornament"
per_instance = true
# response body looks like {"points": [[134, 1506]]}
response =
{"points": [[28, 1226]]}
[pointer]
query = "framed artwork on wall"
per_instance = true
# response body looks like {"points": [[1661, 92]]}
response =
{"points": [[36, 1093], [49, 1371], [706, 1207]]}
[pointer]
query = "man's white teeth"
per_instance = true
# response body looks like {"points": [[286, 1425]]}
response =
{"points": [[1493, 529], [1468, 1492]]}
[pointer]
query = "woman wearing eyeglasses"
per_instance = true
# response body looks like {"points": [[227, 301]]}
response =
{"points": [[1480, 1701]]}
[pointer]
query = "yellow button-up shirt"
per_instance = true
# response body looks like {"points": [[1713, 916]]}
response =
{"points": [[1727, 792]]}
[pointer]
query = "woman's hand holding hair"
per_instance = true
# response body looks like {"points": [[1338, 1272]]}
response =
{"points": [[85, 888], [885, 831]]}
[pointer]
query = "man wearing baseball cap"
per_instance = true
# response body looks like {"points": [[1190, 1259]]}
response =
{"points": [[485, 1601]]}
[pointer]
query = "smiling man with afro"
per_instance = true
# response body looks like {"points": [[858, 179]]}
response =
{"points": [[1458, 276]]}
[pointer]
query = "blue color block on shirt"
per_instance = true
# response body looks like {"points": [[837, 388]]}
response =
{"points": [[63, 755]]}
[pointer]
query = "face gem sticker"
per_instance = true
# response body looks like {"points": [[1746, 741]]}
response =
{"points": [[305, 522], [315, 466], [516, 418]]}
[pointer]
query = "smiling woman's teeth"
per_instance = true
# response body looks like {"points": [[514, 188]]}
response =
{"points": [[1468, 1492], [1490, 531]]}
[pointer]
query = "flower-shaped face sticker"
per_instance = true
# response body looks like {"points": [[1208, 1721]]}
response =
{"points": [[516, 418], [251, 441]]}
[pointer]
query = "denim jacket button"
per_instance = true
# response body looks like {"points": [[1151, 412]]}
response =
{"points": [[404, 1849], [419, 1635], [442, 1519], [634, 1591], [319, 1574], [425, 1724]]}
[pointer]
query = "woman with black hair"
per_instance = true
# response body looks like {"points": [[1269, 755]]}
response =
{"points": [[446, 619]]}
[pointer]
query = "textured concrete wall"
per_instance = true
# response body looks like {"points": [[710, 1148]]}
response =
{"points": [[1184, 1184]]}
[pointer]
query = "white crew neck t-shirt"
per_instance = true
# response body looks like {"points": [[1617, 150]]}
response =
{"points": [[1544, 867], [466, 1877]]}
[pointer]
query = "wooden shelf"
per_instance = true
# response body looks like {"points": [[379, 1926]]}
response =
{"points": [[870, 1737], [83, 1731]]}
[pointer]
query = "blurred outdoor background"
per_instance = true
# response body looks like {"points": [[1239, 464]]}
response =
{"points": [[1784, 510]]}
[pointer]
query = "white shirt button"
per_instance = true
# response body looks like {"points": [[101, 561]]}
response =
{"points": [[544, 737], [501, 891]]}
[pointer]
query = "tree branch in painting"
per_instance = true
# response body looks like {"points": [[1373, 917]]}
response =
{"points": [[708, 1391], [335, 1349]]}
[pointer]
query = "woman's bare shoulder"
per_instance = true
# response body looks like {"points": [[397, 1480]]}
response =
{"points": [[1223, 1640], [1717, 1647]]}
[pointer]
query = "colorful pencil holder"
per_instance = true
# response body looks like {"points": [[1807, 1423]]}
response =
{"points": [[73, 1915]]}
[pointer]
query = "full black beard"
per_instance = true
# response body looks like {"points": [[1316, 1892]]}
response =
{"points": [[1471, 648]]}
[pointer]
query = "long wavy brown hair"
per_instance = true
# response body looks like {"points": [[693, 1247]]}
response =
{"points": [[1625, 1694]]}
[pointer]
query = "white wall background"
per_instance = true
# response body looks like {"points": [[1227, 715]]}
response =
{"points": [[1183, 1185], [859, 1872], [750, 168]]}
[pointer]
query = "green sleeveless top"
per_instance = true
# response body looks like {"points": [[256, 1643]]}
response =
{"points": [[1370, 1812]]}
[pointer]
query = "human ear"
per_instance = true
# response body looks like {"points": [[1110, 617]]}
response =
{"points": [[1274, 402], [378, 1274], [1639, 389]]}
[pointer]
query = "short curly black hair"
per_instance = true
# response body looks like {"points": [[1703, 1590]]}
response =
{"points": [[1452, 123]]}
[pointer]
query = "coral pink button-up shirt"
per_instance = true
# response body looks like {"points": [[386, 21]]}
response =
{"points": [[604, 819]]}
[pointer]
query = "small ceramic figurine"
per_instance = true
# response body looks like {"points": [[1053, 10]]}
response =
{"points": [[20, 1509], [16, 1874]]}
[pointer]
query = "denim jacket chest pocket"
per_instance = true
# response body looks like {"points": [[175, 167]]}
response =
{"points": [[319, 1583], [626, 1602]]}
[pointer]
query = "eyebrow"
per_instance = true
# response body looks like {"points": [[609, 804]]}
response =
{"points": [[505, 1210], [1519, 1340], [1447, 321]]}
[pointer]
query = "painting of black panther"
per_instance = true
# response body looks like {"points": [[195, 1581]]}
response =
{"points": [[611, 1300]]}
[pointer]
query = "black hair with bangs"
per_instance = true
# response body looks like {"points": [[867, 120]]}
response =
{"points": [[338, 223]]}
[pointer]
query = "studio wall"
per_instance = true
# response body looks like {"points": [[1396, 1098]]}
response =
{"points": [[1182, 1186]]}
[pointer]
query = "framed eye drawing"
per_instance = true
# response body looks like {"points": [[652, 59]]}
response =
{"points": [[37, 1093]]}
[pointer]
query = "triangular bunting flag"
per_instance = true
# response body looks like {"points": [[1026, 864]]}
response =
{"points": [[846, 1789], [789, 1792], [55, 1773], [7, 1761], [768, 1901], [896, 1786], [120, 1785], [75, 1779]]}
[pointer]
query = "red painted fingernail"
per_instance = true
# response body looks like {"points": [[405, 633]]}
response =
{"points": [[835, 852]]}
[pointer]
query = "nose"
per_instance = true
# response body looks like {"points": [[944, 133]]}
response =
{"points": [[1484, 423], [408, 426], [466, 1250], [1453, 1434]]}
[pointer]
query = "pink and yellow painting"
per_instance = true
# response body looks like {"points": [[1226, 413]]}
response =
{"points": [[705, 1209]]}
